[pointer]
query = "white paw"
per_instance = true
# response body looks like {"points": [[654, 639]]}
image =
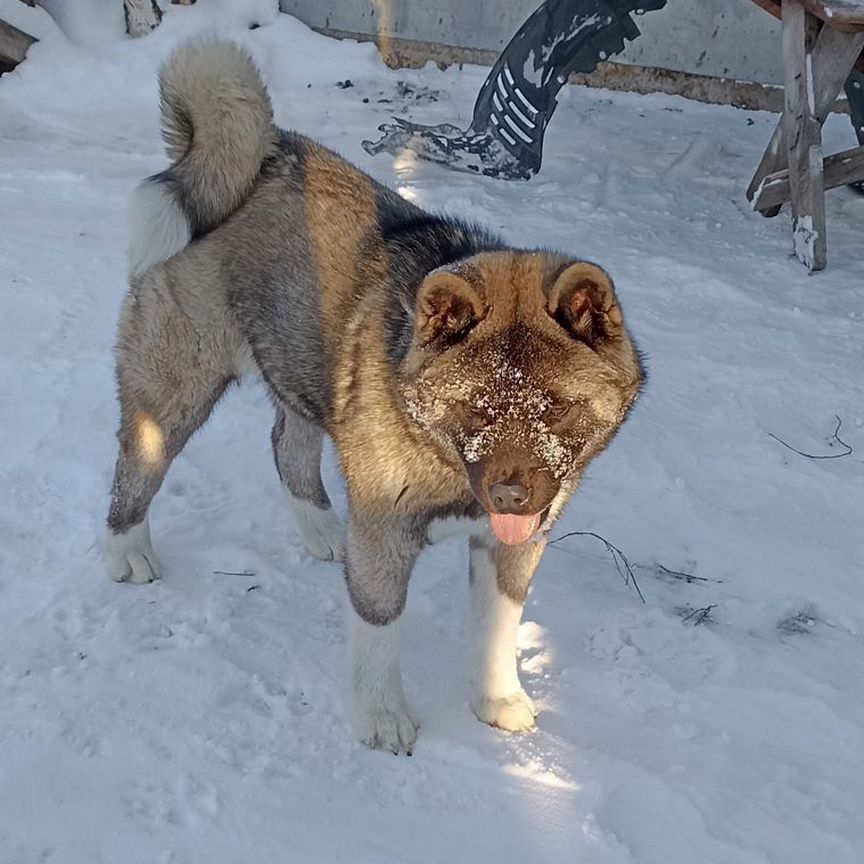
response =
{"points": [[386, 728], [322, 531], [129, 556], [513, 713]]}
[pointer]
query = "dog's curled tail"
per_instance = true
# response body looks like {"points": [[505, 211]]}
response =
{"points": [[217, 124]]}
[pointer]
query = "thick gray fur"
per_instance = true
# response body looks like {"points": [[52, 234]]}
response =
{"points": [[297, 448], [258, 249], [248, 281]]}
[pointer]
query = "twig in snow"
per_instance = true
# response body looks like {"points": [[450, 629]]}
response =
{"points": [[834, 437], [685, 577], [702, 615], [233, 573], [618, 557]]}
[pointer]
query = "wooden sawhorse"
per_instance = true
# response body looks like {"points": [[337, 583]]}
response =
{"points": [[822, 39]]}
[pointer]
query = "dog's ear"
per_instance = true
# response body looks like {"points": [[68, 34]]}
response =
{"points": [[448, 308], [582, 300]]}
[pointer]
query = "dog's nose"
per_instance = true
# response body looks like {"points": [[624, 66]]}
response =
{"points": [[508, 497]]}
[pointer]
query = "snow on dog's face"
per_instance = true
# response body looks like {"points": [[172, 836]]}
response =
{"points": [[520, 366]]}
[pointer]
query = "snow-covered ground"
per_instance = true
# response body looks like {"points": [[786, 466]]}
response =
{"points": [[200, 719]]}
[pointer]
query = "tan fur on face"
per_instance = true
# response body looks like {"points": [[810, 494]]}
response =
{"points": [[388, 466], [514, 290]]}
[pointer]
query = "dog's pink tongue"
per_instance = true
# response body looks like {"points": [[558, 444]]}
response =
{"points": [[514, 530]]}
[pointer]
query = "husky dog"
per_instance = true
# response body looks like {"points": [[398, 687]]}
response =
{"points": [[460, 379]]}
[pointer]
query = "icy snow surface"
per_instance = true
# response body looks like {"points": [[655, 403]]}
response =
{"points": [[200, 719]]}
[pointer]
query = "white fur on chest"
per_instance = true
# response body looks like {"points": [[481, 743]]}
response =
{"points": [[457, 526]]}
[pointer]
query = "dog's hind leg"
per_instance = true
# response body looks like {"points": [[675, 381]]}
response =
{"points": [[151, 435], [169, 378], [297, 447], [500, 576]]}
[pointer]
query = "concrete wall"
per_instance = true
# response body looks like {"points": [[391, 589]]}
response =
{"points": [[715, 38]]}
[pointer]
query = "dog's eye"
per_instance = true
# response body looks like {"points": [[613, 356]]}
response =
{"points": [[475, 418], [557, 411]]}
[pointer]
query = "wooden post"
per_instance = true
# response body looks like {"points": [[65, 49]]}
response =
{"points": [[833, 57], [802, 136]]}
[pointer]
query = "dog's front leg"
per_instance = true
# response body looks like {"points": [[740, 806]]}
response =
{"points": [[500, 576], [381, 555]]}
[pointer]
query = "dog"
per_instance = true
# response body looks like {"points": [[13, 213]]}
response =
{"points": [[465, 383]]}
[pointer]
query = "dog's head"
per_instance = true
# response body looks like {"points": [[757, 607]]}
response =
{"points": [[521, 367]]}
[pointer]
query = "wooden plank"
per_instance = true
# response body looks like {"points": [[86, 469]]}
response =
{"points": [[802, 136], [13, 45], [833, 59], [846, 15], [771, 160], [837, 170], [772, 6]]}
